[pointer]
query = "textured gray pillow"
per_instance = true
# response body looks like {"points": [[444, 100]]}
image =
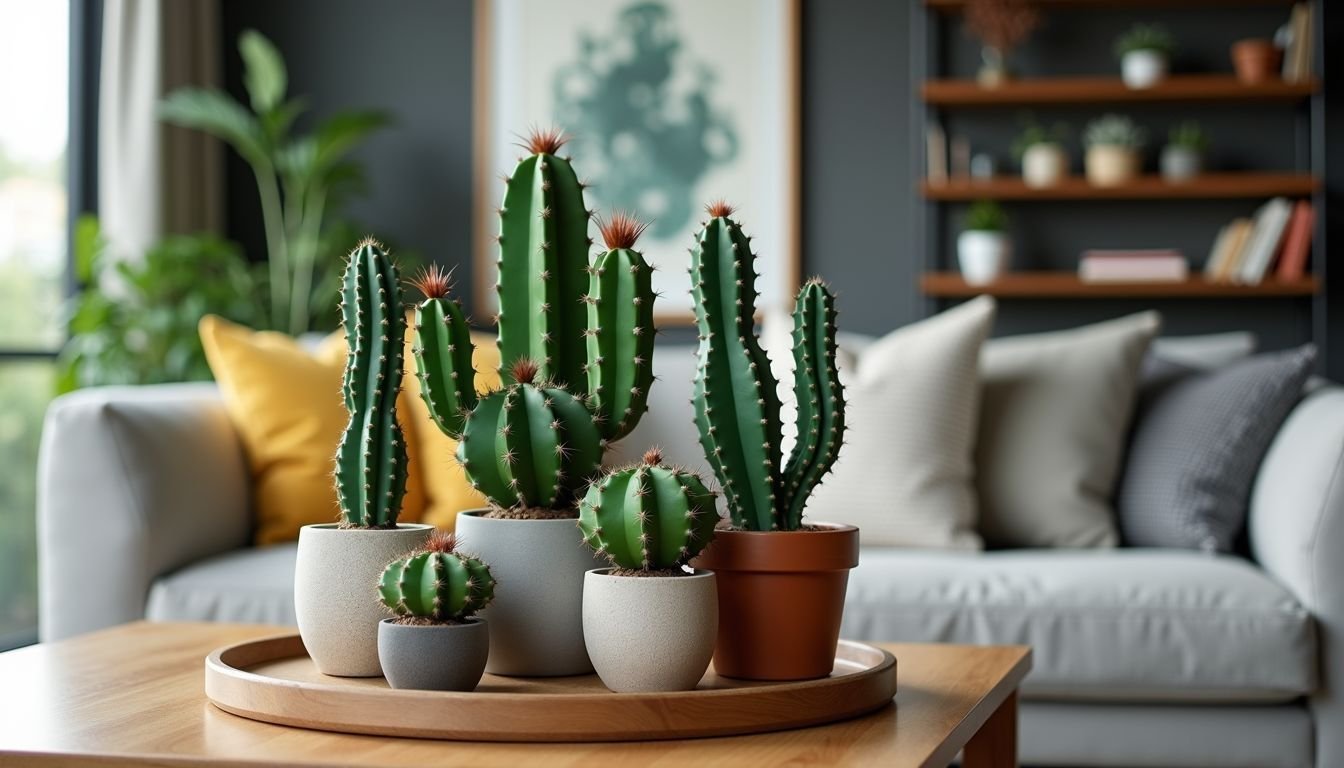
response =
{"points": [[1198, 440]]}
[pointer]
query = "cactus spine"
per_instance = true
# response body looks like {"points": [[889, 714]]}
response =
{"points": [[736, 403], [648, 516], [371, 458], [437, 583], [582, 334]]}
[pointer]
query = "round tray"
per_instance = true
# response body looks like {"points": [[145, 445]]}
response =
{"points": [[274, 680]]}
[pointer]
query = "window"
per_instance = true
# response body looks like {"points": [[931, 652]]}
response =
{"points": [[34, 92]]}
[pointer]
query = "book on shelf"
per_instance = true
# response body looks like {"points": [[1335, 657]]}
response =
{"points": [[1263, 244], [1132, 266], [1297, 242], [1301, 43], [937, 160]]}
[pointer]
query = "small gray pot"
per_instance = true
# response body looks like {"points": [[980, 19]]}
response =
{"points": [[537, 613], [440, 657], [1180, 163], [650, 633]]}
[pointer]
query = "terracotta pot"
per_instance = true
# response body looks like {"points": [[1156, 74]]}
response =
{"points": [[781, 595], [1256, 60]]}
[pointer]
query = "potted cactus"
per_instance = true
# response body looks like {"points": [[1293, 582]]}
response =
{"points": [[576, 351], [336, 562], [1182, 158], [435, 642], [781, 581], [1145, 55], [650, 520], [1113, 145]]}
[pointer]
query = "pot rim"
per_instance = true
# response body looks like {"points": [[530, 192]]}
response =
{"points": [[337, 527], [834, 548], [470, 622], [479, 513], [697, 574]]}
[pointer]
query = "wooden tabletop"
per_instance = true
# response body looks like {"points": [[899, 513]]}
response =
{"points": [[133, 696]]}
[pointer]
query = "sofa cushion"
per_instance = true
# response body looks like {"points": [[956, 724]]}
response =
{"points": [[250, 586], [1121, 625]]}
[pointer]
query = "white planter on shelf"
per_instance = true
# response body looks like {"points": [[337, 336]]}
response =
{"points": [[1110, 165], [1180, 163], [1143, 69], [1044, 164], [983, 255]]}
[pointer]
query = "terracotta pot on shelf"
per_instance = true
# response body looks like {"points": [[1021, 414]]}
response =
{"points": [[781, 596], [1256, 60]]}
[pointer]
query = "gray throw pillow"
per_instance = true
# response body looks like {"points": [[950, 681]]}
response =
{"points": [[1198, 439]]}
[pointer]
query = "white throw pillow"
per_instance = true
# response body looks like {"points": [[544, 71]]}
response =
{"points": [[905, 475], [1054, 417]]}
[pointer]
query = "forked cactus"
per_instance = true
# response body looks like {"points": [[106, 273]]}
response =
{"points": [[371, 458], [736, 402], [576, 341], [437, 583], [648, 517]]}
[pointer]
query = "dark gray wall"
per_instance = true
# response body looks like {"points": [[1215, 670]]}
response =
{"points": [[860, 163]]}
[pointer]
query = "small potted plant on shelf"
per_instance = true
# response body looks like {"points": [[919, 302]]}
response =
{"points": [[1183, 157], [337, 562], [983, 247], [650, 521], [576, 351], [435, 642], [1113, 144], [1041, 152], [1145, 55], [781, 581], [1256, 60], [1001, 25]]}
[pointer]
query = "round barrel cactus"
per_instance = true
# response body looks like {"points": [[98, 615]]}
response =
{"points": [[437, 583]]}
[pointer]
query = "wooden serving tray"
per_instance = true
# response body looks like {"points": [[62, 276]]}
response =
{"points": [[274, 680]]}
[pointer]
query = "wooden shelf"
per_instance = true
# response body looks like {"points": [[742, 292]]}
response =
{"points": [[1103, 90], [1066, 285], [956, 6], [1208, 186]]}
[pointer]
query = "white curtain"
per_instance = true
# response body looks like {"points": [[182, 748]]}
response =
{"points": [[155, 179]]}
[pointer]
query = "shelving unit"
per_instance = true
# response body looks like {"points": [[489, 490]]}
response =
{"points": [[956, 102]]}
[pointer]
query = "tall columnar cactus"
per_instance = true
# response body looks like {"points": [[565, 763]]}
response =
{"points": [[437, 583], [531, 444], [648, 517], [736, 403], [620, 329], [583, 334], [371, 458]]}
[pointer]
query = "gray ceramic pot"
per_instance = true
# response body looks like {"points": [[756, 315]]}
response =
{"points": [[537, 614], [439, 657], [650, 633], [336, 592]]}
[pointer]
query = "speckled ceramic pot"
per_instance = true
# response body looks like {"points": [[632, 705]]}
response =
{"points": [[440, 657], [650, 633], [336, 592]]}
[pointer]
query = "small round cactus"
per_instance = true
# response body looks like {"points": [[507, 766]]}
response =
{"points": [[648, 516], [437, 583]]}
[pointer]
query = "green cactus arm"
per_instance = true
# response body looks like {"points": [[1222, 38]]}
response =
{"points": [[820, 396], [620, 340], [389, 590], [443, 353], [481, 586], [737, 402], [543, 269], [482, 451]]}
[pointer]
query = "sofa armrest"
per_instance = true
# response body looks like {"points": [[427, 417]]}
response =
{"points": [[1297, 535], [133, 482]]}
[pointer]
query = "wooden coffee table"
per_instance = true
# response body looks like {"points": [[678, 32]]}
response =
{"points": [[133, 696]]}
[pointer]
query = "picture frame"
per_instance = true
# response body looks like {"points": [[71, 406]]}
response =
{"points": [[661, 123]]}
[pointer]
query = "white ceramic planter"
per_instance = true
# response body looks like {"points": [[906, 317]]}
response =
{"points": [[650, 633], [1044, 164], [1143, 69], [983, 255], [336, 592], [439, 657], [1110, 165], [536, 619], [1180, 163]]}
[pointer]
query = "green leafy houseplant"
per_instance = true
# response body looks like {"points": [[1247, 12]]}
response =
{"points": [[1113, 130], [1033, 134], [134, 322], [298, 176], [1145, 37], [986, 216], [1188, 135]]}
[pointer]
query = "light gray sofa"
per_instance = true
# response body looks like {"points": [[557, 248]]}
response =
{"points": [[1142, 657]]}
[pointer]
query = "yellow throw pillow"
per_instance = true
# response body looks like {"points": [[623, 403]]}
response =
{"points": [[447, 491], [286, 405]]}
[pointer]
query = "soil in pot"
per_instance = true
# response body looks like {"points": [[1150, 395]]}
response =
{"points": [[781, 596], [433, 656], [648, 632]]}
